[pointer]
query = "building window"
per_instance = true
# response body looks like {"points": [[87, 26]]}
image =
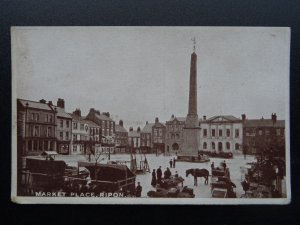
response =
{"points": [[177, 136], [213, 146], [74, 148], [237, 133], [260, 132], [45, 145], [220, 146], [227, 145], [220, 133], [46, 118], [81, 126], [49, 131], [35, 145], [237, 146], [61, 123], [74, 137], [81, 148], [68, 123], [50, 118], [213, 132], [61, 135], [204, 145], [67, 136], [75, 126], [36, 131], [204, 132], [29, 145], [228, 132]]}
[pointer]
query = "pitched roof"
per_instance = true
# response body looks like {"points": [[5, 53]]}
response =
{"points": [[35, 105], [225, 117], [61, 112], [147, 128], [90, 123], [119, 128], [181, 119], [133, 133], [264, 123], [102, 117], [76, 117]]}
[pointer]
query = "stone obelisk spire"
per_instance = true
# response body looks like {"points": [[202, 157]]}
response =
{"points": [[192, 117], [191, 132]]}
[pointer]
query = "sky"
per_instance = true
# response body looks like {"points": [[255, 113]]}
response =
{"points": [[139, 73]]}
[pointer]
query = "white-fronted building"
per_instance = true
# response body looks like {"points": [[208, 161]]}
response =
{"points": [[221, 133]]}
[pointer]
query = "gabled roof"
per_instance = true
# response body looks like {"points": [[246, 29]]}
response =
{"points": [[35, 105], [119, 128], [102, 117], [181, 119], [76, 117], [90, 123], [158, 125], [147, 128], [229, 118], [61, 112], [264, 123], [133, 133]]}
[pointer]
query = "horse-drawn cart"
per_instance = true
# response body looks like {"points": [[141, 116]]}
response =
{"points": [[221, 185], [169, 188]]}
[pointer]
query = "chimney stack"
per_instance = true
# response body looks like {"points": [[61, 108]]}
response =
{"points": [[173, 116], [156, 120], [138, 129], [243, 118], [146, 122], [77, 112], [130, 128], [50, 103], [274, 117], [61, 103], [121, 123], [43, 101], [204, 117]]}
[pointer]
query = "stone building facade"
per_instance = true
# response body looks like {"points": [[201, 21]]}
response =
{"points": [[134, 140], [174, 134], [158, 136], [146, 138], [121, 138], [36, 122], [221, 133]]}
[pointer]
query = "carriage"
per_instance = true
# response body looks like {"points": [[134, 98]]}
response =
{"points": [[221, 185]]}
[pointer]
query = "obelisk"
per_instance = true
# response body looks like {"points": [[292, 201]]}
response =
{"points": [[191, 131]]}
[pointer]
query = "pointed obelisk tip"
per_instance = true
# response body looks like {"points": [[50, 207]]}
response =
{"points": [[194, 44]]}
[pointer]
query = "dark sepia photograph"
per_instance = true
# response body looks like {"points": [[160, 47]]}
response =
{"points": [[150, 115]]}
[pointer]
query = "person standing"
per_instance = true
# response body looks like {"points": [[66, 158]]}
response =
{"points": [[167, 173], [224, 165], [174, 162], [153, 181], [159, 174], [212, 166], [171, 163], [138, 190]]}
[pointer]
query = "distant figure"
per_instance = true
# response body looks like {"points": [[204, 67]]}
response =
{"points": [[224, 165], [159, 174], [138, 190], [199, 156], [153, 181], [167, 173], [212, 166], [174, 162], [176, 174], [171, 163]]}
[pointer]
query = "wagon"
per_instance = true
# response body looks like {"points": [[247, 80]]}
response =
{"points": [[175, 192]]}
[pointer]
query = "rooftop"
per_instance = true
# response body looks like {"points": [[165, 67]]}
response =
{"points": [[35, 105], [148, 128], [133, 133], [264, 123], [119, 128]]}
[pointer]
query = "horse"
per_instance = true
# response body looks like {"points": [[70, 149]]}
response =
{"points": [[198, 173]]}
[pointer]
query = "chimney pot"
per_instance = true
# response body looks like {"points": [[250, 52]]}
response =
{"points": [[61, 103], [204, 117]]}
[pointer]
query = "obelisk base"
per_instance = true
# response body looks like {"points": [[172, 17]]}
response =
{"points": [[191, 141]]}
